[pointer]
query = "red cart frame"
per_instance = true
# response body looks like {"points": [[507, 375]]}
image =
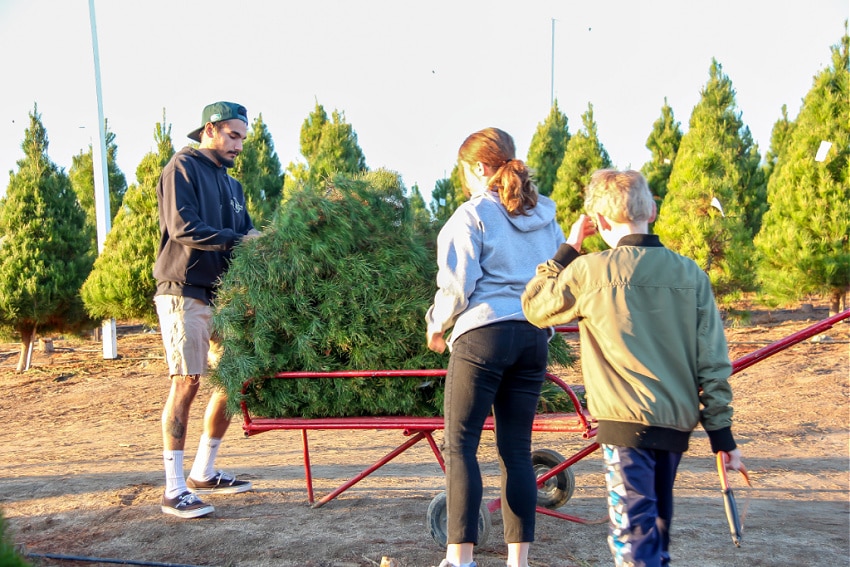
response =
{"points": [[419, 428], [415, 428]]}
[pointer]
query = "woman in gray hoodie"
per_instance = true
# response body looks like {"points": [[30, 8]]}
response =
{"points": [[486, 252]]}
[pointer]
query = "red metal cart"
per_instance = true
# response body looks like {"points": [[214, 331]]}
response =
{"points": [[555, 479]]}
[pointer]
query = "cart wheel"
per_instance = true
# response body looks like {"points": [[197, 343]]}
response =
{"points": [[438, 521], [556, 491]]}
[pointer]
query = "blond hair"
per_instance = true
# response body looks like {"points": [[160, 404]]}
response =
{"points": [[621, 196], [512, 178]]}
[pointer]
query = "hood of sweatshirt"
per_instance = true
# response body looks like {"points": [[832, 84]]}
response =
{"points": [[536, 218], [195, 152]]}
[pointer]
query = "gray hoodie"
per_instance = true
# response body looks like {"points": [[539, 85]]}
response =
{"points": [[485, 258]]}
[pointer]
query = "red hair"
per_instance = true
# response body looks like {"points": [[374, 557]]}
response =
{"points": [[495, 149]]}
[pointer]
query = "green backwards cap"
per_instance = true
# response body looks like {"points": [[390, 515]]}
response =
{"points": [[216, 112]]}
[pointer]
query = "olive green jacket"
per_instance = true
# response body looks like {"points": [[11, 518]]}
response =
{"points": [[653, 349]]}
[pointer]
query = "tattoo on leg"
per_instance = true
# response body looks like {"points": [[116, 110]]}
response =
{"points": [[176, 429]]}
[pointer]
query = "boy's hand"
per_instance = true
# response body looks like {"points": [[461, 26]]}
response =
{"points": [[734, 462], [581, 229]]}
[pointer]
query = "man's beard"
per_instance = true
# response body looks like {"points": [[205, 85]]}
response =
{"points": [[223, 158]]}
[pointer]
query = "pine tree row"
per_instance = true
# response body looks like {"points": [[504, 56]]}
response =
{"points": [[779, 225]]}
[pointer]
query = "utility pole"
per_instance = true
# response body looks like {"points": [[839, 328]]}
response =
{"points": [[552, 81], [101, 184]]}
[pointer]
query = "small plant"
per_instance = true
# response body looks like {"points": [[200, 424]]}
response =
{"points": [[738, 317], [9, 556]]}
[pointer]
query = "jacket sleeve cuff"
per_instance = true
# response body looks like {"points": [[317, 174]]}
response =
{"points": [[565, 255], [721, 440]]}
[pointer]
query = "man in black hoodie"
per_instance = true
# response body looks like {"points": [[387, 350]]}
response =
{"points": [[202, 216]]}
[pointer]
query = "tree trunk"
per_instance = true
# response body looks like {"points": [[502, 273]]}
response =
{"points": [[837, 302], [24, 360]]}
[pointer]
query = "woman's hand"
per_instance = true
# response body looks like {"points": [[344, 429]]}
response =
{"points": [[436, 342]]}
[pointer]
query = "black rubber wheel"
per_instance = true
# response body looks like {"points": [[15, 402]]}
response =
{"points": [[557, 490], [438, 521]]}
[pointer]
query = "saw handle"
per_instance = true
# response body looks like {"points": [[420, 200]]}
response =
{"points": [[729, 503]]}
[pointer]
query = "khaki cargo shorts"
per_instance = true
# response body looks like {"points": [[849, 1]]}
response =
{"points": [[186, 327]]}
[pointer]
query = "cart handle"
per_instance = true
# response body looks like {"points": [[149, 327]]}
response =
{"points": [[748, 360]]}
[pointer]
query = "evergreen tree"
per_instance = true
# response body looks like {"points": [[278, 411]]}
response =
{"points": [[310, 137], [258, 169], [780, 136], [341, 279], [44, 251], [584, 155], [663, 142], [447, 196], [803, 243], [328, 146], [419, 212], [122, 285], [717, 164], [753, 188], [309, 140], [82, 180], [338, 150], [548, 146]]}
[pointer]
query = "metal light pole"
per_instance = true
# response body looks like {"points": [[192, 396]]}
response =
{"points": [[101, 184], [552, 81]]}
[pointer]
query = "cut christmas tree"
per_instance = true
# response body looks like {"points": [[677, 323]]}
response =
{"points": [[340, 280]]}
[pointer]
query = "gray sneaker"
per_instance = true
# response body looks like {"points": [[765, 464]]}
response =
{"points": [[186, 505], [221, 483]]}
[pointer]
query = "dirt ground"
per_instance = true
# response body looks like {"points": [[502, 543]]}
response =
{"points": [[81, 473]]}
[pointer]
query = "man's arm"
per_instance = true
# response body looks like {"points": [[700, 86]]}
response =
{"points": [[182, 213]]}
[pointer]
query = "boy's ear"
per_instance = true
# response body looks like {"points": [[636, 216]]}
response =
{"points": [[654, 211], [602, 222]]}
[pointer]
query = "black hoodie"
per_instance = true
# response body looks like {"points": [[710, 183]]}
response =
{"points": [[202, 216]]}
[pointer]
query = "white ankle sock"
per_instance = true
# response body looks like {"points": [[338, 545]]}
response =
{"points": [[204, 466], [175, 484]]}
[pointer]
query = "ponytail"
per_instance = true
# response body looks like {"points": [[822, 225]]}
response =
{"points": [[512, 180], [516, 191]]}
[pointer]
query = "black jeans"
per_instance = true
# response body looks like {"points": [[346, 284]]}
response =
{"points": [[501, 366]]}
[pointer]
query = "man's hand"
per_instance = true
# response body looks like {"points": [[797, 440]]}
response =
{"points": [[253, 233]]}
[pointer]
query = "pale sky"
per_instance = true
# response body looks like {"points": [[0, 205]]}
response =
{"points": [[412, 78]]}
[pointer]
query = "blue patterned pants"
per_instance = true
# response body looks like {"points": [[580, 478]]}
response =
{"points": [[640, 504]]}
